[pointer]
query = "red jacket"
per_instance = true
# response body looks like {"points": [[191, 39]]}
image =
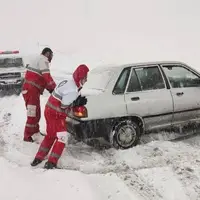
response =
{"points": [[38, 75]]}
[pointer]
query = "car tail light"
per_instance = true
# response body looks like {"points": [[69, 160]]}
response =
{"points": [[9, 52], [80, 111]]}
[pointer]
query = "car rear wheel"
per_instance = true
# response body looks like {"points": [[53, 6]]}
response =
{"points": [[126, 134]]}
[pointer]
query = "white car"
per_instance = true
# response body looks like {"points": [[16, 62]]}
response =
{"points": [[127, 101], [12, 71]]}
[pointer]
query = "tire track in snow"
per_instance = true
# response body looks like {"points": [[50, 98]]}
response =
{"points": [[187, 176], [137, 184], [154, 155], [128, 176], [190, 180], [5, 115]]}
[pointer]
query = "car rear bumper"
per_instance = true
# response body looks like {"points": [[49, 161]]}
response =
{"points": [[75, 127], [85, 130]]}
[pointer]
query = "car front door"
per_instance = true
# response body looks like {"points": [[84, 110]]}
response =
{"points": [[148, 97], [185, 90]]}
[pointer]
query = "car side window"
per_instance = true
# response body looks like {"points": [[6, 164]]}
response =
{"points": [[133, 85], [181, 77], [121, 83], [150, 78]]}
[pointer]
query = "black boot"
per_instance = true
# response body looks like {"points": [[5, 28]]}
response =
{"points": [[29, 139], [35, 162], [50, 165]]}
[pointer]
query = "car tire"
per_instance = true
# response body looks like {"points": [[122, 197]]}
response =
{"points": [[17, 92], [126, 129]]}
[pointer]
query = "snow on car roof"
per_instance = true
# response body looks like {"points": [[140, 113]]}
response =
{"points": [[118, 67], [98, 80]]}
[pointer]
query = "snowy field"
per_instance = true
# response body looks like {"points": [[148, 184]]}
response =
{"points": [[156, 170], [96, 33]]}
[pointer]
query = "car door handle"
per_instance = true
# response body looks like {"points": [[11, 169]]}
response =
{"points": [[179, 93], [135, 98]]}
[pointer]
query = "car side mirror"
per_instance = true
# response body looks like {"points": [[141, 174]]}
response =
{"points": [[27, 65]]}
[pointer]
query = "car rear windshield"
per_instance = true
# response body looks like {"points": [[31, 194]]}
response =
{"points": [[11, 62], [98, 80]]}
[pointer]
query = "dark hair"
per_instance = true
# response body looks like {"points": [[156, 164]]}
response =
{"points": [[45, 50]]}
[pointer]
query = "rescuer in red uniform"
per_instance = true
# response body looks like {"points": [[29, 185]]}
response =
{"points": [[65, 97], [37, 79]]}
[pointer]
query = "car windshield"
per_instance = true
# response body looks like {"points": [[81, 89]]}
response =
{"points": [[11, 62], [98, 80]]}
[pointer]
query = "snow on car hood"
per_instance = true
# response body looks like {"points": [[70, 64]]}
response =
{"points": [[12, 69]]}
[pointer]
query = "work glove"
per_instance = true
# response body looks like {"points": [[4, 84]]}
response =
{"points": [[50, 91], [80, 101]]}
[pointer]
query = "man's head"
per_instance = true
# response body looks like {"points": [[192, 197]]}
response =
{"points": [[48, 53], [80, 75]]}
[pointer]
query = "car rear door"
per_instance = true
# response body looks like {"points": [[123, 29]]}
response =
{"points": [[147, 96], [185, 90]]}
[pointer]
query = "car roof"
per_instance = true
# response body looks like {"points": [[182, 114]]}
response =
{"points": [[122, 66]]}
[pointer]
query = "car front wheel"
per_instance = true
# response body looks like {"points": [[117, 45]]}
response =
{"points": [[126, 134], [17, 91]]}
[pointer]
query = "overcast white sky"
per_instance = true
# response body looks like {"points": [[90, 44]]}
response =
{"points": [[103, 31]]}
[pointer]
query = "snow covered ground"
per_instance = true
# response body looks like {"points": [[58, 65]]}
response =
{"points": [[157, 170], [96, 33]]}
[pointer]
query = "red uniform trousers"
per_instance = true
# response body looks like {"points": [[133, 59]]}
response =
{"points": [[32, 102], [56, 136]]}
